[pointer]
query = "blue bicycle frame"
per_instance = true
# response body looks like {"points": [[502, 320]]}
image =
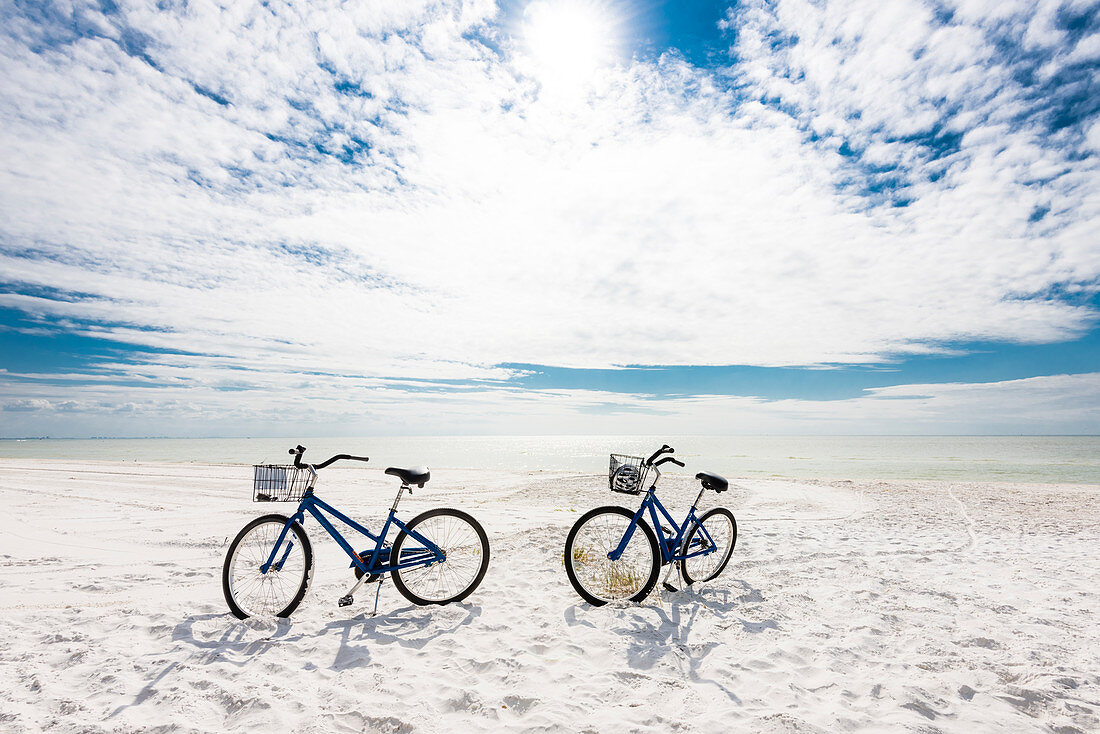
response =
{"points": [[669, 544], [375, 564]]}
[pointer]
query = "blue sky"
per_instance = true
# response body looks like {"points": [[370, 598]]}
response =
{"points": [[558, 216]]}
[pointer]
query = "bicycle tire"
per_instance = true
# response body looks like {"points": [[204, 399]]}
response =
{"points": [[709, 571], [235, 588], [618, 582], [466, 546]]}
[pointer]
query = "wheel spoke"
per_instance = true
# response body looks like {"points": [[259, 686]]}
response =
{"points": [[265, 595], [722, 534], [601, 577], [441, 581]]}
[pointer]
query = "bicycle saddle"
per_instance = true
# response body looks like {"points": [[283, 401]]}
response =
{"points": [[713, 481], [417, 475]]}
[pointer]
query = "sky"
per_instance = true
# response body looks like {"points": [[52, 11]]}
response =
{"points": [[558, 216]]}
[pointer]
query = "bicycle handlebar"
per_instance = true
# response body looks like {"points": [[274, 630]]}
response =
{"points": [[669, 458], [299, 450], [340, 457], [666, 449]]}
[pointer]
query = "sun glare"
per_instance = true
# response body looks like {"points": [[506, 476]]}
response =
{"points": [[568, 40]]}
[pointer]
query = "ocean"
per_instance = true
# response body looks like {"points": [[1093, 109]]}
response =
{"points": [[1039, 459]]}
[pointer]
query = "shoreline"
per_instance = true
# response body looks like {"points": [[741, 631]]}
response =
{"points": [[1010, 459], [597, 477]]}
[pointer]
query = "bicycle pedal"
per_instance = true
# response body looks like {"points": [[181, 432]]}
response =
{"points": [[345, 601], [670, 587]]}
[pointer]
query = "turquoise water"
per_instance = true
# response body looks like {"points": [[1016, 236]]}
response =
{"points": [[1057, 459]]}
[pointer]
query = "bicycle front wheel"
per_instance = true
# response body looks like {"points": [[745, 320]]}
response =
{"points": [[722, 531], [596, 577], [248, 590], [465, 546]]}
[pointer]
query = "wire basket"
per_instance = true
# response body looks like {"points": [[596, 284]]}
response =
{"points": [[628, 474], [277, 483]]}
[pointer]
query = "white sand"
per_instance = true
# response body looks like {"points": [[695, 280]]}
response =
{"points": [[847, 606]]}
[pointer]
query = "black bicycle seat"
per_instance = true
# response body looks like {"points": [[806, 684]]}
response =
{"points": [[417, 475], [713, 481]]}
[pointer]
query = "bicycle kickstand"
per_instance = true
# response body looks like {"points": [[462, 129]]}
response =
{"points": [[667, 586], [378, 593]]}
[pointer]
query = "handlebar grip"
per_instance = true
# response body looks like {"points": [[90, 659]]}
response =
{"points": [[666, 460], [676, 462], [297, 452], [666, 449]]}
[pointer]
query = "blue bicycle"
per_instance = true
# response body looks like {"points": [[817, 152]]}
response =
{"points": [[438, 557], [613, 554]]}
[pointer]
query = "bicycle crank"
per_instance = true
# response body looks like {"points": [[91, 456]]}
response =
{"points": [[370, 579], [374, 576]]}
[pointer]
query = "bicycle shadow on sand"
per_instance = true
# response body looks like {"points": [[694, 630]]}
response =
{"points": [[664, 630], [411, 627], [246, 642], [241, 642]]}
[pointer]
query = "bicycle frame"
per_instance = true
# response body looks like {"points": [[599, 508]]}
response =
{"points": [[668, 545], [315, 506]]}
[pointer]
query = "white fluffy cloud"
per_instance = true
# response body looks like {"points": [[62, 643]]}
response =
{"points": [[381, 191]]}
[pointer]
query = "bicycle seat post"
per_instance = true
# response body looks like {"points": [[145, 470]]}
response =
{"points": [[397, 499], [699, 497]]}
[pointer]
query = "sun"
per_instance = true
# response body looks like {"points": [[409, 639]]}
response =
{"points": [[568, 41]]}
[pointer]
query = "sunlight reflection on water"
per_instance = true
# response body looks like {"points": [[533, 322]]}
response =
{"points": [[1073, 459]]}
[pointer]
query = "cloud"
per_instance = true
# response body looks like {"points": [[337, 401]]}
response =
{"points": [[26, 406], [382, 192], [1055, 404], [192, 399]]}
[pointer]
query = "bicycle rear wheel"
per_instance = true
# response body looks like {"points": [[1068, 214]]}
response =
{"points": [[251, 593], [463, 542], [722, 529], [596, 577]]}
